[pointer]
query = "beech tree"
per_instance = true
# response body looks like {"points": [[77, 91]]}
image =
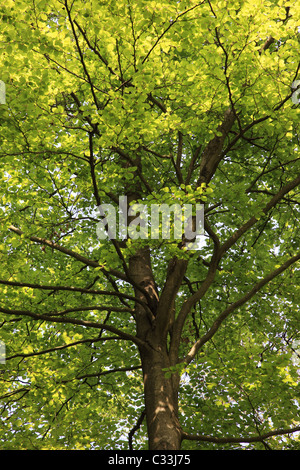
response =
{"points": [[140, 342]]}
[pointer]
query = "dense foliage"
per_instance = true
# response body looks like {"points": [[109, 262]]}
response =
{"points": [[161, 101]]}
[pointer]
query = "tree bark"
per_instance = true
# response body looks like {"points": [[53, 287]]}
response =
{"points": [[161, 400], [160, 392]]}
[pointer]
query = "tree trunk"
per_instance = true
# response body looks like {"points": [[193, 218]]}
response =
{"points": [[161, 400], [161, 393]]}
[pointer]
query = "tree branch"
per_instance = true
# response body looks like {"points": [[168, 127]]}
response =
{"points": [[245, 227], [81, 55], [63, 346], [104, 372], [219, 251], [92, 169], [177, 164], [135, 428], [75, 321], [67, 251], [83, 290], [234, 306], [212, 154], [252, 124], [168, 28], [165, 310], [228, 440]]}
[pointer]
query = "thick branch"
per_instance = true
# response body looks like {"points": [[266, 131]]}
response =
{"points": [[212, 154], [83, 290], [166, 310], [75, 321]]}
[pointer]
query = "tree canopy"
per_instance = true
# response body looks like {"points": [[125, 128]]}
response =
{"points": [[136, 343]]}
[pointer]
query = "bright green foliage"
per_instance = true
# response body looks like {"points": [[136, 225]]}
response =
{"points": [[102, 98]]}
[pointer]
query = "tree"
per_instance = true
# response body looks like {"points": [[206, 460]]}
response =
{"points": [[139, 342]]}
